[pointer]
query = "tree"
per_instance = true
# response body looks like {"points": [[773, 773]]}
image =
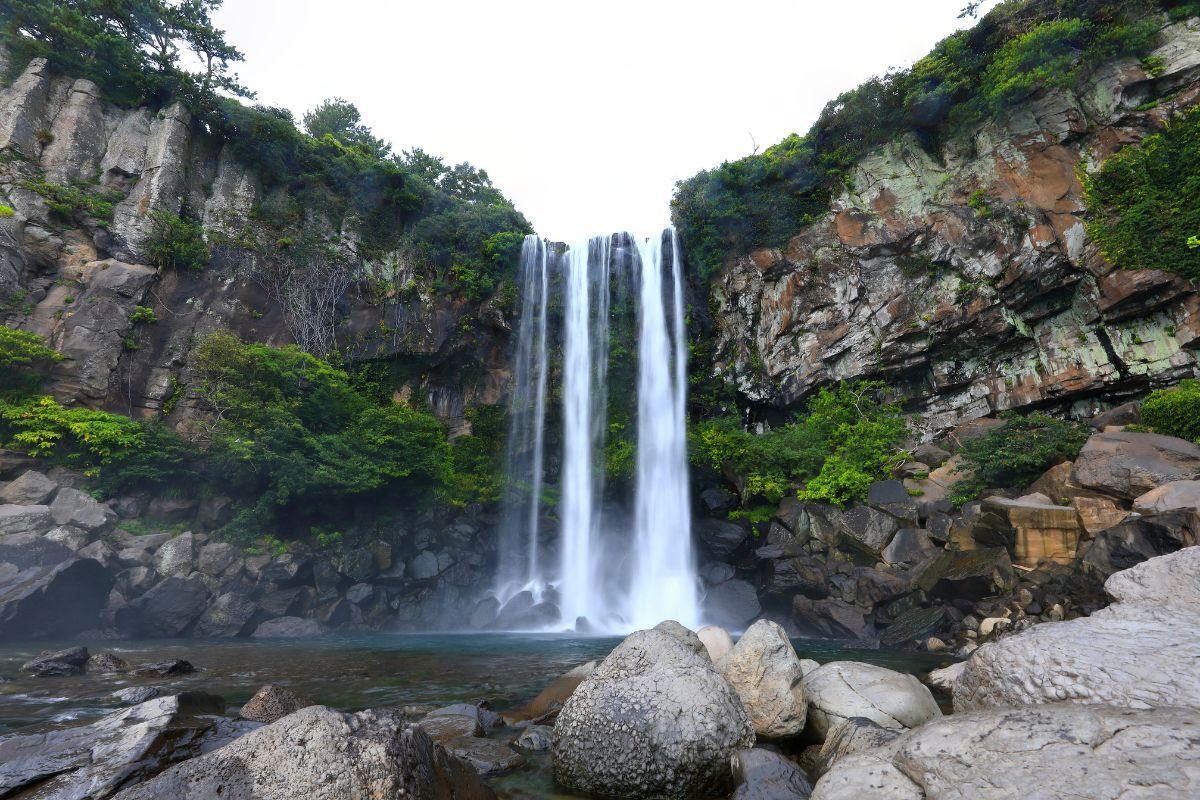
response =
{"points": [[341, 119]]}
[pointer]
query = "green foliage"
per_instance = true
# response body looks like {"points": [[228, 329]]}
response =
{"points": [[848, 438], [6, 211], [1020, 47], [20, 353], [341, 119], [476, 468], [175, 242], [978, 202], [143, 315], [293, 432], [75, 202], [1017, 453], [1175, 412], [1142, 208], [139, 51]]}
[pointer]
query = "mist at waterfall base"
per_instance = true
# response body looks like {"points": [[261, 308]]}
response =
{"points": [[601, 350]]}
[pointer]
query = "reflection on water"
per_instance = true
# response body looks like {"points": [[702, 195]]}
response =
{"points": [[349, 672]]}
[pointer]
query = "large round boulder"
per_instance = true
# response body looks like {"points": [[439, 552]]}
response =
{"points": [[842, 689], [765, 671], [654, 720]]}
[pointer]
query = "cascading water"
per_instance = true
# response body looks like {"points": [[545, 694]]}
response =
{"points": [[606, 573]]}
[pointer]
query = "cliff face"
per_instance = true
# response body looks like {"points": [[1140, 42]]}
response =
{"points": [[967, 280], [77, 280]]}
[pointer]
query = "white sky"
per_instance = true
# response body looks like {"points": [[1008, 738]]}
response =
{"points": [[583, 113]]}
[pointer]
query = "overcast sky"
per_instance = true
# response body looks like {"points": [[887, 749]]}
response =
{"points": [[584, 113]]}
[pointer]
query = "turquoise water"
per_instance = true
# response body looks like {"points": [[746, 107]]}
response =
{"points": [[352, 671]]}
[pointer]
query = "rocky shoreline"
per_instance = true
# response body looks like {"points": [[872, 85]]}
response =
{"points": [[681, 714]]}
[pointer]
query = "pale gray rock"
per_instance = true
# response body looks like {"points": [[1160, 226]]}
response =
{"points": [[216, 558], [118, 750], [683, 634], [842, 689], [30, 489], [444, 727], [16, 520], [1052, 752], [23, 109], [424, 566], [765, 671], [70, 537], [848, 737], [537, 738], [487, 756], [1127, 464], [1133, 653], [231, 614], [73, 507], [1171, 496], [126, 154], [321, 754], [132, 695], [176, 556], [716, 641], [234, 193], [74, 153], [160, 186], [654, 719]]}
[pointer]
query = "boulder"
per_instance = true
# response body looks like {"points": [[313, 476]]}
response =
{"points": [[908, 546], [484, 614], [1133, 653], [107, 664], [73, 507], [16, 519], [487, 756], [1096, 514], [732, 604], [288, 628], [551, 698], [273, 702], [1031, 529], [839, 690], [1129, 464], [24, 550], [424, 566], [118, 750], [176, 556], [31, 489], [867, 530], [1138, 539], [321, 754], [763, 775], [53, 601], [717, 501], [216, 558], [654, 719], [929, 453], [72, 661], [231, 614], [1172, 496], [171, 510], [537, 738], [716, 641], [487, 718], [765, 671], [164, 669], [70, 537], [683, 634], [850, 736], [832, 619], [721, 537], [1058, 752], [1124, 414], [892, 496], [166, 611], [445, 727], [132, 695]]}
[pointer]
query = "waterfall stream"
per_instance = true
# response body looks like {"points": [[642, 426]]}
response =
{"points": [[619, 559]]}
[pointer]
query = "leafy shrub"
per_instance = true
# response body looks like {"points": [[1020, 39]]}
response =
{"points": [[1019, 47], [175, 242], [1175, 412], [1142, 208], [1016, 454], [143, 315], [848, 438], [6, 211], [20, 352], [75, 202]]}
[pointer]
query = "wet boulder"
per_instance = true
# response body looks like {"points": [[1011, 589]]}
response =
{"points": [[231, 614], [654, 719], [106, 664], [537, 738], [764, 775], [321, 754], [273, 702], [118, 750], [765, 671], [551, 699], [444, 727], [164, 669], [487, 756], [839, 690], [55, 600], [72, 661]]}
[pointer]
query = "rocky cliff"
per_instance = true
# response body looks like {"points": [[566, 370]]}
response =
{"points": [[77, 277], [965, 277]]}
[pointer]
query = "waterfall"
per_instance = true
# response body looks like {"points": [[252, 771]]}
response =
{"points": [[664, 584], [615, 576]]}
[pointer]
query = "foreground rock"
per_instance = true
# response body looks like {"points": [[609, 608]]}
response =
{"points": [[120, 749], [848, 737], [321, 754], [765, 671], [63, 662], [763, 775], [273, 702], [1140, 652], [1058, 751], [487, 756], [842, 689], [654, 719]]}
